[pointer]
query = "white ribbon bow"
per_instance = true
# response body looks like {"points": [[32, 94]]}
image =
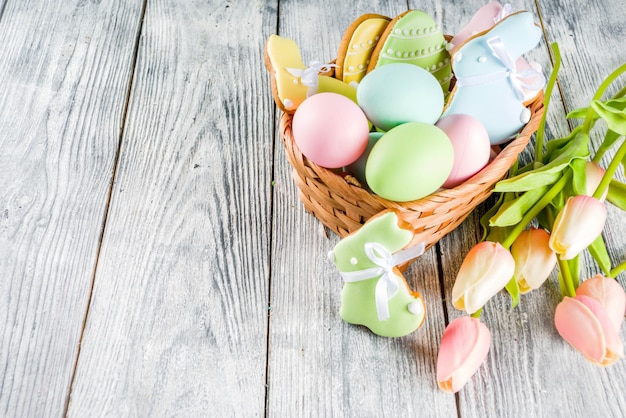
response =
{"points": [[504, 12], [308, 76], [389, 283], [529, 78]]}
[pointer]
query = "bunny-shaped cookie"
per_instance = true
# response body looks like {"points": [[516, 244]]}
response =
{"points": [[292, 81], [483, 20], [489, 86], [375, 293]]}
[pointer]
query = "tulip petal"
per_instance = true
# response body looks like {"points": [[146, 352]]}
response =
{"points": [[584, 324], [464, 346], [577, 225], [486, 269], [534, 260], [593, 176], [609, 293], [614, 346]]}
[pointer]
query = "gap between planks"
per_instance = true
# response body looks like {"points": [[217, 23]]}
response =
{"points": [[109, 197]]}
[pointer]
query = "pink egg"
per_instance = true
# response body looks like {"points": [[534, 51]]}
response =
{"points": [[330, 130], [470, 141]]}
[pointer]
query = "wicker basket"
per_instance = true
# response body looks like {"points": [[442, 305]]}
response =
{"points": [[344, 207]]}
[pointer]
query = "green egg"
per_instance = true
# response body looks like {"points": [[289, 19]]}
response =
{"points": [[409, 162]]}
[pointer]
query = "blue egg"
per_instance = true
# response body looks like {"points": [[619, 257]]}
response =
{"points": [[357, 168], [394, 94]]}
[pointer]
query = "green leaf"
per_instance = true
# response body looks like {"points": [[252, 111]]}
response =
{"points": [[598, 251], [512, 212], [484, 220], [580, 113], [617, 194], [549, 173], [615, 118], [579, 180], [513, 288], [554, 146], [574, 270]]}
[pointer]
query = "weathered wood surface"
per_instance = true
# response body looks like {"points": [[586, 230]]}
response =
{"points": [[65, 70], [172, 268], [178, 319]]}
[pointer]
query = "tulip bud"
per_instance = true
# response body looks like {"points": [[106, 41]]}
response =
{"points": [[464, 345], [534, 260], [577, 225], [585, 324], [609, 294], [486, 269], [593, 176]]}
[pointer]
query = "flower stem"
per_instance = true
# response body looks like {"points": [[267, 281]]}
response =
{"points": [[546, 102], [605, 84], [538, 207], [567, 278], [617, 270], [610, 171]]}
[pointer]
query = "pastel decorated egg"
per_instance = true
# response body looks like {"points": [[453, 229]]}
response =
{"points": [[394, 94], [409, 162], [357, 168], [472, 148], [330, 130]]}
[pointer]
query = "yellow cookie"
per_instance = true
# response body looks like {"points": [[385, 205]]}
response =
{"points": [[292, 81], [357, 45]]}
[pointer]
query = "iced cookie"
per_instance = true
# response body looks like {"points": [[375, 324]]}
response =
{"points": [[375, 294], [292, 81], [483, 20], [413, 37], [357, 45], [488, 85]]}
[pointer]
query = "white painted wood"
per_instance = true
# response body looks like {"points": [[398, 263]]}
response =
{"points": [[64, 75], [197, 242], [178, 320]]}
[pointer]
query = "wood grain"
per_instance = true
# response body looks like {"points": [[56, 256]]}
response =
{"points": [[64, 73], [178, 320], [203, 286]]}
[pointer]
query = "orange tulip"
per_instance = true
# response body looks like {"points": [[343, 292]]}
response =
{"points": [[486, 269], [585, 325], [534, 260], [577, 225], [609, 294], [464, 345]]}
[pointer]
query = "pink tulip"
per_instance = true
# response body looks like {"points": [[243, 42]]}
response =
{"points": [[593, 175], [609, 294], [486, 269], [534, 260], [584, 323], [464, 345], [577, 225]]}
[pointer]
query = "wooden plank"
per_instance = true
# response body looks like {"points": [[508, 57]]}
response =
{"points": [[64, 72], [320, 365], [530, 370], [178, 319]]}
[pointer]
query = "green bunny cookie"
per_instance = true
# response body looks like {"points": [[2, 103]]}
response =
{"points": [[375, 294]]}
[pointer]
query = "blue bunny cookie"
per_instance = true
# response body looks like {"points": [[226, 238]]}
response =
{"points": [[489, 86], [375, 293]]}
